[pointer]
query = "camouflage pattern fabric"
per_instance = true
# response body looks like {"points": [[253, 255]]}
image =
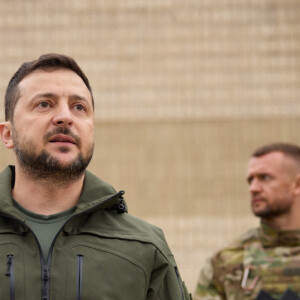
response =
{"points": [[261, 259]]}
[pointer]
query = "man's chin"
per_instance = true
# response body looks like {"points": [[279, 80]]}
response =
{"points": [[64, 160], [258, 213], [263, 212], [258, 209], [65, 164]]}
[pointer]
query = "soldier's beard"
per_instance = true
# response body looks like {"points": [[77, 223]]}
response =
{"points": [[272, 211], [44, 167]]}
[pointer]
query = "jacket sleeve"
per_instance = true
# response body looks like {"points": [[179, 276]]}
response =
{"points": [[165, 280], [208, 286]]}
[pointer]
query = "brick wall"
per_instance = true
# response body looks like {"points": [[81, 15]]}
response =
{"points": [[184, 90]]}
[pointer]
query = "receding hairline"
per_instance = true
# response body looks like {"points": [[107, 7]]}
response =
{"points": [[48, 70], [46, 62], [291, 150], [290, 153]]}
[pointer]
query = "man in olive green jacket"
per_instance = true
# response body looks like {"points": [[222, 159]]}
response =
{"points": [[64, 233]]}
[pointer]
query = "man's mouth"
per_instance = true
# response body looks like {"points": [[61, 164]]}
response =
{"points": [[61, 138], [256, 200]]}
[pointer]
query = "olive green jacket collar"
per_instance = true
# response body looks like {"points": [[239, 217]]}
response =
{"points": [[96, 194]]}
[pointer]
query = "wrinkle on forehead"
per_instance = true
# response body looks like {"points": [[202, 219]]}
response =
{"points": [[274, 162], [37, 82]]}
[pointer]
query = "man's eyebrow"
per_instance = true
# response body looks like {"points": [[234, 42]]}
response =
{"points": [[249, 178], [44, 95], [78, 97], [54, 96]]}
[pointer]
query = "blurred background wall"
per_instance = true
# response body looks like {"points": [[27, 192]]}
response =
{"points": [[185, 90]]}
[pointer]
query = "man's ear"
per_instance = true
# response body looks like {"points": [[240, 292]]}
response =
{"points": [[297, 185], [6, 134]]}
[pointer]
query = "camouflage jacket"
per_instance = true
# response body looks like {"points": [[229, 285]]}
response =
{"points": [[261, 259]]}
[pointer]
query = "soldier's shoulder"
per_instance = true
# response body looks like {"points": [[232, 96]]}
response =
{"points": [[246, 237], [251, 235], [234, 250], [227, 262]]}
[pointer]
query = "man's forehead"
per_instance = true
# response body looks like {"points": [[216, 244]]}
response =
{"points": [[40, 79], [271, 157], [43, 74], [272, 162], [269, 161]]}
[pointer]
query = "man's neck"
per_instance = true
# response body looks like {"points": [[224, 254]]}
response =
{"points": [[285, 222], [45, 197]]}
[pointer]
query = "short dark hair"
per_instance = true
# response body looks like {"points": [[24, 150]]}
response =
{"points": [[290, 150], [47, 62]]}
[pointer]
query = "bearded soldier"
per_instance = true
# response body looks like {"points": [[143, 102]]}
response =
{"points": [[264, 263]]}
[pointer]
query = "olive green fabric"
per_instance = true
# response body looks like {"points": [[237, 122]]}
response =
{"points": [[101, 253], [45, 227], [271, 258]]}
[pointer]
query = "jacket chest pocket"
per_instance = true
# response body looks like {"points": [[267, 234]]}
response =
{"points": [[94, 273], [12, 278], [277, 280], [233, 289]]}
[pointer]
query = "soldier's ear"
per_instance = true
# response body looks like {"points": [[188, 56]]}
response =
{"points": [[297, 185], [6, 134]]}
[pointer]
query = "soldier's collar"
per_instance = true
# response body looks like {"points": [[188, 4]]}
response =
{"points": [[274, 237]]}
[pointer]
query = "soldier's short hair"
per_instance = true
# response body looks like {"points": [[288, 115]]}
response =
{"points": [[290, 150], [47, 62]]}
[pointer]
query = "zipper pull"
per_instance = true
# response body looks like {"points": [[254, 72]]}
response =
{"points": [[45, 277], [179, 282], [10, 273], [9, 263], [121, 207], [45, 273]]}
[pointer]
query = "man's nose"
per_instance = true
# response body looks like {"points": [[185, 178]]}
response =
{"points": [[63, 117], [254, 186]]}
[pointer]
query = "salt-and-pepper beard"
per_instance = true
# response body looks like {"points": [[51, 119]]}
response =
{"points": [[270, 211], [44, 167]]}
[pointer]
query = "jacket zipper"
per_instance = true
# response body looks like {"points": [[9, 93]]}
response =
{"points": [[45, 290], [10, 272], [46, 267], [45, 278], [45, 281], [79, 276], [179, 282]]}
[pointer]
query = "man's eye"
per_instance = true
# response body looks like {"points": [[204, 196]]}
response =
{"points": [[80, 107], [265, 177], [43, 105]]}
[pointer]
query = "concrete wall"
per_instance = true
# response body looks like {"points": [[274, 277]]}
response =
{"points": [[184, 90]]}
